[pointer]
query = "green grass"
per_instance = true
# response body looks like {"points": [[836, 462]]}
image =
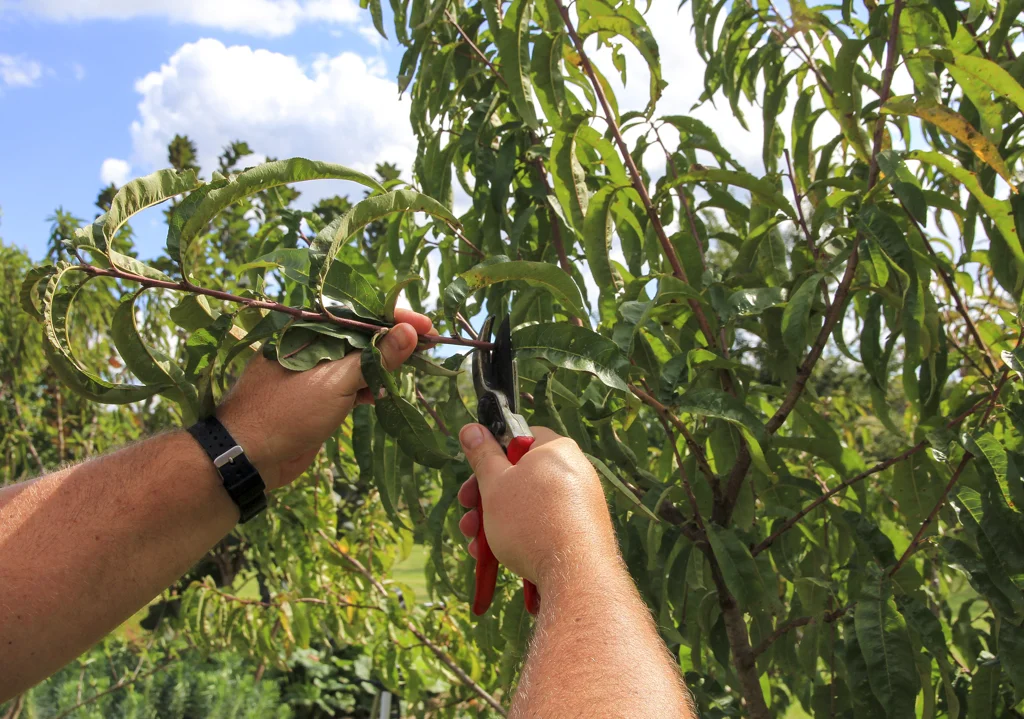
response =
{"points": [[410, 571]]}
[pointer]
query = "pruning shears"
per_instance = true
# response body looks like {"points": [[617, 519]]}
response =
{"points": [[496, 381]]}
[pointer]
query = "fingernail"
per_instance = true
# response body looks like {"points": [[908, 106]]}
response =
{"points": [[399, 340], [471, 436]]}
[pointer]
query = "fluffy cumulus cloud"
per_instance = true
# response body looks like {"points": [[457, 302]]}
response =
{"points": [[115, 171], [341, 109], [257, 17], [19, 71]]}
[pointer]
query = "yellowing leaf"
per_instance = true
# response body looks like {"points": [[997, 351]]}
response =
{"points": [[956, 125]]}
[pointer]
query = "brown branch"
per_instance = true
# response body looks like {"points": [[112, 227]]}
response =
{"points": [[638, 184], [913, 546], [690, 496], [297, 312], [696, 449], [464, 323], [437, 651], [954, 293], [798, 200], [880, 466], [890, 67], [682, 198], [465, 36], [116, 687], [835, 311], [433, 413], [786, 627]]}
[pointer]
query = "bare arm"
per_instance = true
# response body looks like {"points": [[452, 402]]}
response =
{"points": [[595, 649], [84, 548]]}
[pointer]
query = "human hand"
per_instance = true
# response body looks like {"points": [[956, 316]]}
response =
{"points": [[545, 517], [281, 418]]}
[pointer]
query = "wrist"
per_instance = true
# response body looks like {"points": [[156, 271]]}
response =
{"points": [[589, 564]]}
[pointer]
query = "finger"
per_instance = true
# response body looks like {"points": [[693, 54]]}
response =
{"points": [[474, 549], [484, 454], [364, 396], [420, 323], [395, 348], [544, 435], [470, 523], [469, 493]]}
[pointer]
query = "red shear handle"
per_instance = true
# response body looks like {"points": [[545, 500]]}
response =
{"points": [[486, 563]]}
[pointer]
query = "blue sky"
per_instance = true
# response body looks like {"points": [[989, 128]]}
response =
{"points": [[68, 96]]}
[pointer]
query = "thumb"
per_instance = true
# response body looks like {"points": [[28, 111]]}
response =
{"points": [[395, 348], [484, 454]]}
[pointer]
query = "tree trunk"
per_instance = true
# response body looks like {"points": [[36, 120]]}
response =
{"points": [[739, 644]]}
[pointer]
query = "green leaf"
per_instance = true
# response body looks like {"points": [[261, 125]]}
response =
{"points": [[190, 218], [998, 210], [765, 191], [740, 571], [538, 274], [149, 364], [574, 348], [885, 642], [514, 50], [1011, 656], [797, 314], [567, 174], [193, 312], [391, 298], [376, 14], [30, 287], [1014, 359], [144, 192], [985, 71], [609, 476], [420, 362], [597, 235], [56, 306], [329, 240], [302, 348], [397, 416], [634, 29], [547, 76], [981, 703], [752, 302], [710, 402]]}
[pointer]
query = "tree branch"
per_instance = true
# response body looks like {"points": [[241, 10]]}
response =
{"points": [[792, 624], [912, 547], [883, 465], [116, 687], [443, 656], [638, 184], [297, 312]]}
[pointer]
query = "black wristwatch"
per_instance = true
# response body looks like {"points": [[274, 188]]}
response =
{"points": [[241, 480]]}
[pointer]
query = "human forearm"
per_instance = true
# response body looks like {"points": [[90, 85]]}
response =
{"points": [[596, 651], [86, 547]]}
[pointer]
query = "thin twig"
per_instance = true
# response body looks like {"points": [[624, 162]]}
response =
{"points": [[443, 656], [879, 467], [792, 624], [117, 687], [682, 198], [913, 546], [433, 413], [798, 199], [486, 60]]}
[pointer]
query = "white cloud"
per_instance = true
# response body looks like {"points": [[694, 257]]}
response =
{"points": [[257, 17], [116, 171], [370, 34], [342, 109], [78, 70], [19, 71]]}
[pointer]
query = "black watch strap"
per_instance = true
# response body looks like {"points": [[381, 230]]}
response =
{"points": [[241, 480]]}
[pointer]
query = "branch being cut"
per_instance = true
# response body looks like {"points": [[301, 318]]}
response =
{"points": [[297, 312]]}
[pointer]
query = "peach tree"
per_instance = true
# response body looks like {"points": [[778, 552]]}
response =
{"points": [[798, 380]]}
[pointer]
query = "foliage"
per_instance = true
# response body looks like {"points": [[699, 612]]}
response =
{"points": [[800, 384]]}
